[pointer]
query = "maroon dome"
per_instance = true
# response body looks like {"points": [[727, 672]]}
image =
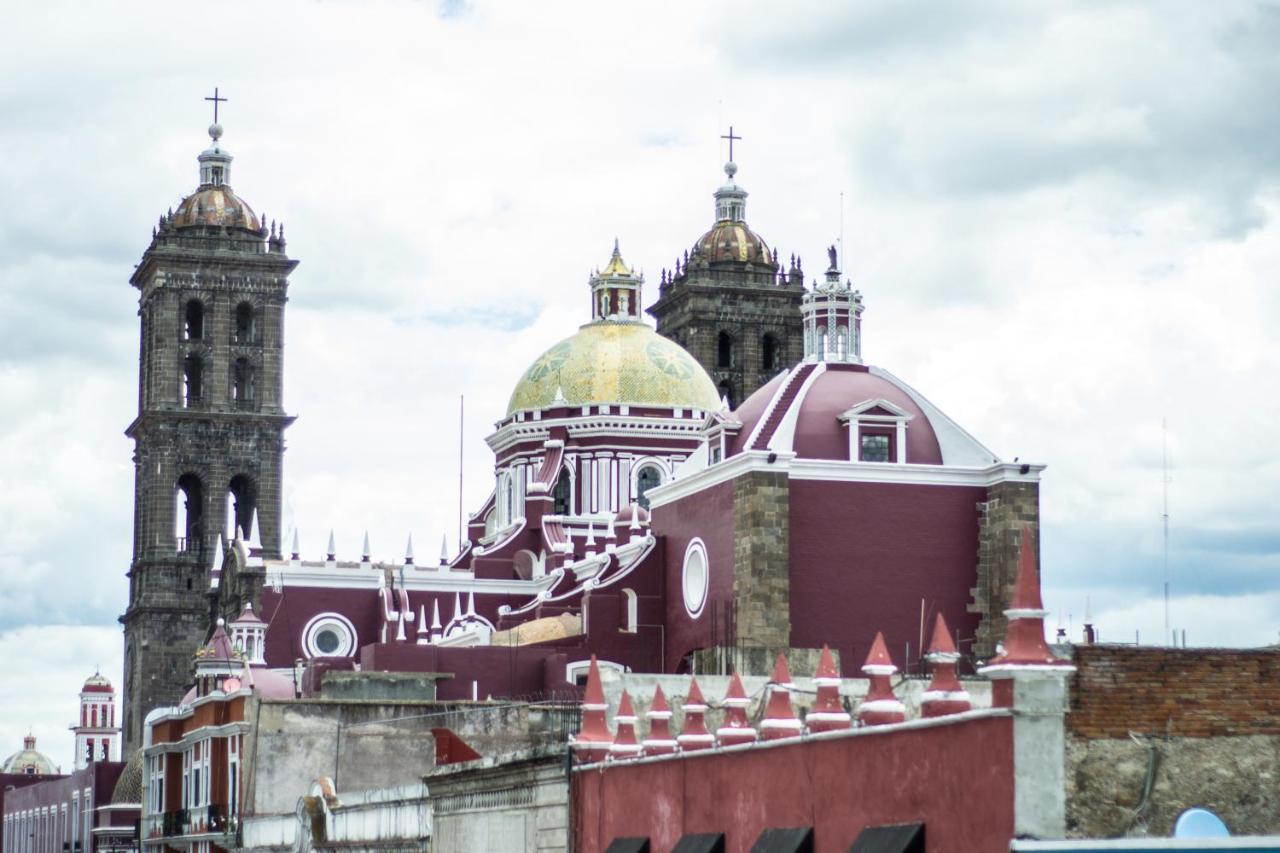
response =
{"points": [[819, 432]]}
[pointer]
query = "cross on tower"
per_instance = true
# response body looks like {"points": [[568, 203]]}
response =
{"points": [[216, 100], [730, 137]]}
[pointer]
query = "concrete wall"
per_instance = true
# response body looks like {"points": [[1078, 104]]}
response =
{"points": [[1154, 731], [509, 804]]}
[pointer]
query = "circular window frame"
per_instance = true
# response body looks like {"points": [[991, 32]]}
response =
{"points": [[695, 608], [335, 622]]}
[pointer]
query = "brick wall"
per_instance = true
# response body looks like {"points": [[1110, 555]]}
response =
{"points": [[1175, 692]]}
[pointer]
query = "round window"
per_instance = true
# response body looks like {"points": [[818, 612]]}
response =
{"points": [[329, 635], [695, 578]]}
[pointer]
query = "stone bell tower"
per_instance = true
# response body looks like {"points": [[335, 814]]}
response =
{"points": [[730, 303], [209, 435]]}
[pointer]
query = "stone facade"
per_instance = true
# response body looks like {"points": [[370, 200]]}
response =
{"points": [[1009, 508], [512, 803], [761, 559], [1154, 731], [210, 423]]}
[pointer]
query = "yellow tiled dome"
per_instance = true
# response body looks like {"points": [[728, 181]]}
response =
{"points": [[615, 363]]}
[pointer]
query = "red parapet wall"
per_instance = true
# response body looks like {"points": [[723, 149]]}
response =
{"points": [[1176, 692], [956, 777]]}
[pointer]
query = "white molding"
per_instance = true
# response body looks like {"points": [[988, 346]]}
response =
{"points": [[768, 410], [783, 438]]}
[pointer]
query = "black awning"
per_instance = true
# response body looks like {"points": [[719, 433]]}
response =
{"points": [[896, 838], [710, 842], [628, 845], [793, 840]]}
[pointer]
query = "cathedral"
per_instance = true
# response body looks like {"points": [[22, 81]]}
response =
{"points": [[699, 496]]}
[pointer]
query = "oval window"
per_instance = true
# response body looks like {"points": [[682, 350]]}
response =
{"points": [[696, 578]]}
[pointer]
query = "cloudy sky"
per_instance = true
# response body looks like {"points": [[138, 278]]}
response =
{"points": [[1063, 217]]}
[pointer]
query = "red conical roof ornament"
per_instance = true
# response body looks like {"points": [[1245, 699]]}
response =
{"points": [[828, 714], [593, 739], [625, 745], [779, 718], [880, 706], [944, 695], [1024, 643], [659, 741], [736, 728], [694, 735]]}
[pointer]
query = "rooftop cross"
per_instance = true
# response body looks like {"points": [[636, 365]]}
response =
{"points": [[216, 100], [730, 137]]}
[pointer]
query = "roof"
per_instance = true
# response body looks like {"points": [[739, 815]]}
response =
{"points": [[28, 760], [216, 206], [734, 242], [97, 683], [615, 363]]}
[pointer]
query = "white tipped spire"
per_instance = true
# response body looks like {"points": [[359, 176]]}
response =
{"points": [[237, 536], [424, 634], [408, 551], [255, 535], [218, 556], [435, 616], [444, 549], [364, 549], [332, 553], [457, 606], [471, 604], [294, 553]]}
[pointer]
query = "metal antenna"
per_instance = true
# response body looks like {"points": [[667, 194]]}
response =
{"points": [[1164, 516]]}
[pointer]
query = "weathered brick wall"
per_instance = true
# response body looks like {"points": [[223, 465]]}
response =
{"points": [[762, 582], [1152, 732], [1009, 508], [1174, 692]]}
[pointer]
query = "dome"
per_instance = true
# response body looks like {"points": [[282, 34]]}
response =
{"points": [[128, 789], [28, 761], [215, 205], [97, 683], [734, 242], [819, 432], [615, 363]]}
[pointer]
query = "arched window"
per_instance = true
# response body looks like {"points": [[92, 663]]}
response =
{"points": [[242, 384], [724, 350], [562, 494], [726, 393], [193, 321], [842, 343], [189, 526], [242, 500], [822, 343], [244, 323], [192, 379], [770, 354], [648, 477]]}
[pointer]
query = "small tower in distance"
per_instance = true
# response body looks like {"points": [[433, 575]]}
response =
{"points": [[832, 315], [97, 735]]}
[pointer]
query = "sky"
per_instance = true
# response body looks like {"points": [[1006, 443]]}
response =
{"points": [[1062, 216]]}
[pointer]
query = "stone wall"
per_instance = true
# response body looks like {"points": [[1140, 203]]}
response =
{"points": [[761, 561], [1154, 731], [517, 802], [1009, 508]]}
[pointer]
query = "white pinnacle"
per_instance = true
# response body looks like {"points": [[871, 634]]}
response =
{"points": [[408, 550], [444, 549], [332, 546], [471, 604], [364, 551], [295, 551]]}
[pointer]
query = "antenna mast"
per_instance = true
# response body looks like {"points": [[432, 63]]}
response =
{"points": [[1164, 517]]}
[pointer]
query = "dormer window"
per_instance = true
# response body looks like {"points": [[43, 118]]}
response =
{"points": [[877, 432]]}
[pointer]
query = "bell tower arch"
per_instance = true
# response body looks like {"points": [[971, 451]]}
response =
{"points": [[209, 435]]}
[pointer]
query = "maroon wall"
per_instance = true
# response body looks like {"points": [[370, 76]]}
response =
{"points": [[863, 555], [707, 515], [956, 778]]}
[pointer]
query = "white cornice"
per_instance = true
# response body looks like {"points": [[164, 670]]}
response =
{"points": [[841, 471], [515, 432], [416, 579]]}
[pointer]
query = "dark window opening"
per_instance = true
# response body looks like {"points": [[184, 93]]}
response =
{"points": [[327, 641], [192, 379], [874, 447], [193, 323], [770, 353], [724, 350], [242, 499], [216, 172], [560, 496], [242, 384], [648, 477], [726, 393], [189, 528], [244, 323]]}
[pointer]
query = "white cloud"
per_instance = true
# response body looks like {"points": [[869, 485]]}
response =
{"points": [[1063, 219]]}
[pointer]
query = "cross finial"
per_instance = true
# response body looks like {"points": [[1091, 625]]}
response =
{"points": [[216, 100], [729, 137]]}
